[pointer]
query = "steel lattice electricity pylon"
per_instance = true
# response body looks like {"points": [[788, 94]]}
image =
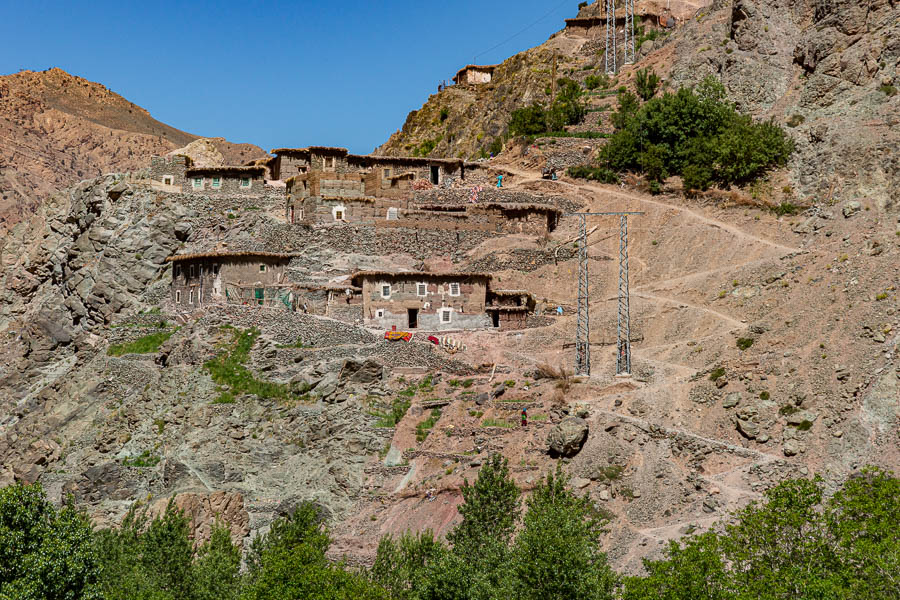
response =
{"points": [[583, 324], [623, 322], [611, 36], [629, 32]]}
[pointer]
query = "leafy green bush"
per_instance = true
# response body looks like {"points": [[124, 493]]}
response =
{"points": [[528, 121], [744, 343], [592, 82], [646, 82], [696, 133], [786, 208], [567, 109], [888, 90], [148, 344], [593, 173], [717, 374], [445, 112]]}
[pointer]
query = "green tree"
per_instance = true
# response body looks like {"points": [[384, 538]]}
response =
{"points": [[45, 553], [628, 108], [694, 571], [530, 120], [402, 565], [147, 558], [289, 563], [864, 523], [557, 554], [217, 566], [646, 83]]}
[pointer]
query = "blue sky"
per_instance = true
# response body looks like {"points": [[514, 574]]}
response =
{"points": [[274, 73]]}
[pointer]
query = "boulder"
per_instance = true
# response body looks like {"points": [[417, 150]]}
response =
{"points": [[365, 372], [748, 429], [498, 391], [731, 400], [567, 438], [851, 208]]}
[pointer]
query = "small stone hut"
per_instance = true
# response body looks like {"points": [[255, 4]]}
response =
{"points": [[231, 277], [509, 309], [474, 74], [169, 170], [419, 300]]}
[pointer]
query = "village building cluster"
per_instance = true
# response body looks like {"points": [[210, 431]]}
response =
{"points": [[326, 187]]}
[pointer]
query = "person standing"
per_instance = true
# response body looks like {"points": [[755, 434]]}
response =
{"points": [[524, 417]]}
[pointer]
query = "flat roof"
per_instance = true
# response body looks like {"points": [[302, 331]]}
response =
{"points": [[250, 169], [232, 254], [467, 67], [418, 275]]}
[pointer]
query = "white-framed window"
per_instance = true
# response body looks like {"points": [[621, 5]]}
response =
{"points": [[168, 180], [392, 214], [385, 290], [262, 268], [177, 296], [216, 182], [421, 289], [379, 314], [245, 182], [445, 315], [454, 289], [300, 214], [191, 301], [339, 212], [198, 183]]}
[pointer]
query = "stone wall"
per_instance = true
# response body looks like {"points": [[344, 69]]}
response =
{"points": [[205, 280], [172, 166]]}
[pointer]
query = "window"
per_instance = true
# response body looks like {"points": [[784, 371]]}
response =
{"points": [[168, 180], [215, 269], [445, 315], [198, 183], [338, 215], [245, 182], [392, 214], [379, 314], [300, 214], [177, 272], [217, 182], [454, 289], [177, 296], [262, 268], [421, 289], [192, 296], [328, 162], [387, 173], [385, 291], [193, 271]]}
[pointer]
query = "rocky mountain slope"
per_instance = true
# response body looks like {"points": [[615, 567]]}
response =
{"points": [[765, 347], [56, 128], [825, 70]]}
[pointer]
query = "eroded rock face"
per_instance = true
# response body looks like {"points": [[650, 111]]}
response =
{"points": [[567, 438], [204, 510]]}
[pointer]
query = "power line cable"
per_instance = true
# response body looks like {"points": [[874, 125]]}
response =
{"points": [[514, 36]]}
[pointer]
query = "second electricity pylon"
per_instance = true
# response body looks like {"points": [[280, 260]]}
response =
{"points": [[629, 32], [583, 324], [611, 36]]}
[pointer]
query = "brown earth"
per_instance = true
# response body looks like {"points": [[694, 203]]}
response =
{"points": [[56, 128]]}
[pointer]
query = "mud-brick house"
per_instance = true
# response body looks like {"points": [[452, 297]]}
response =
{"points": [[429, 301], [225, 181], [474, 74], [231, 278], [509, 309], [169, 170]]}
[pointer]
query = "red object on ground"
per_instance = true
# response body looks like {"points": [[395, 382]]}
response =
{"points": [[434, 340]]}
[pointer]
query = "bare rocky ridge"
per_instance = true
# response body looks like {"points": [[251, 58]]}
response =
{"points": [[56, 128]]}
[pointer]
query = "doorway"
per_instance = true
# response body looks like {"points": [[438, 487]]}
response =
{"points": [[495, 318], [435, 175], [413, 314]]}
